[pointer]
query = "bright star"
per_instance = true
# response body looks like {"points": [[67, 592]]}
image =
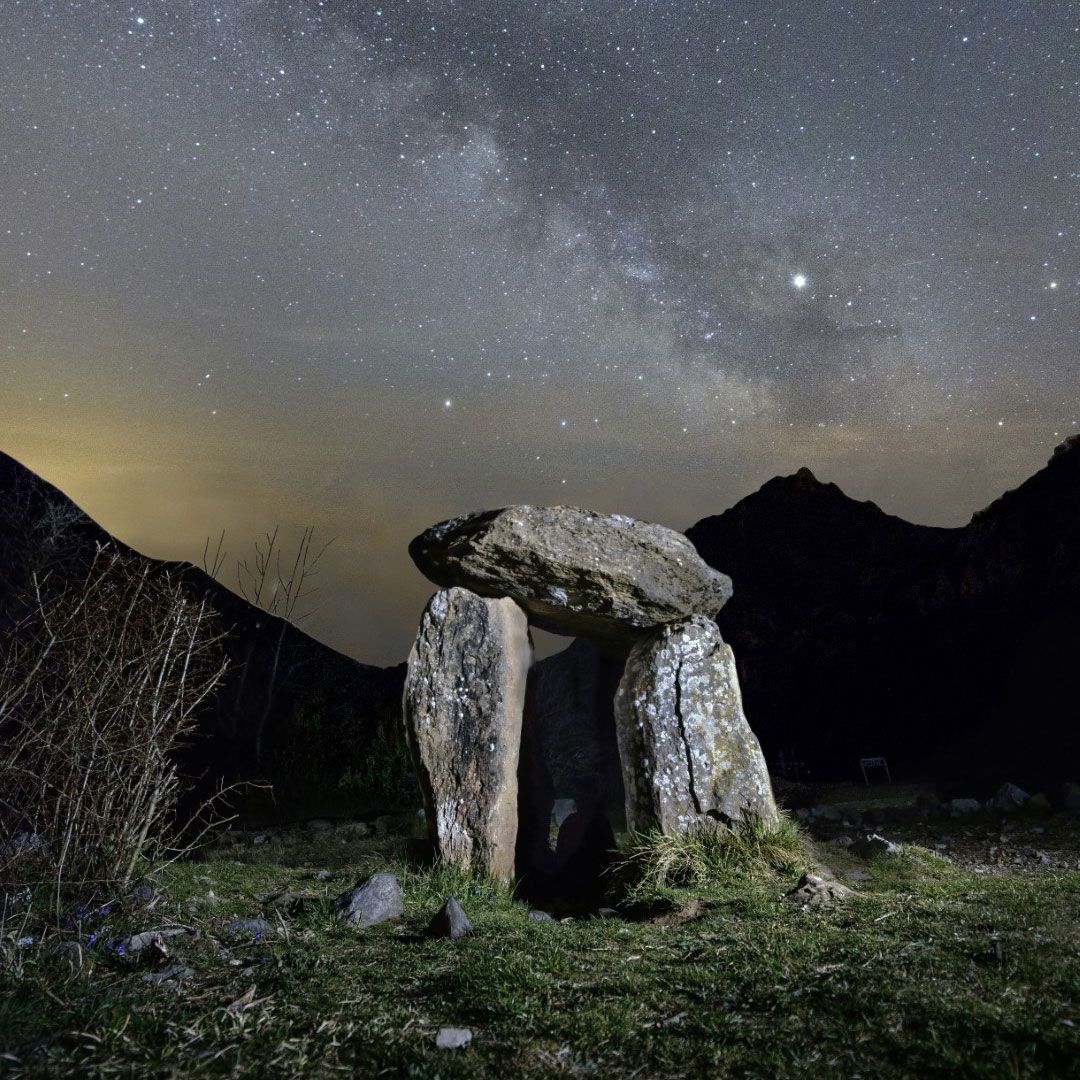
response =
{"points": [[799, 281]]}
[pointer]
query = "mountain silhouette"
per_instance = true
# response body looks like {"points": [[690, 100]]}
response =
{"points": [[323, 729], [949, 651]]}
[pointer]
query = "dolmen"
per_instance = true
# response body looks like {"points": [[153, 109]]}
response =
{"points": [[635, 589]]}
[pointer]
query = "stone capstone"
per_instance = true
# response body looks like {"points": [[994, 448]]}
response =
{"points": [[687, 752], [463, 701], [603, 576]]}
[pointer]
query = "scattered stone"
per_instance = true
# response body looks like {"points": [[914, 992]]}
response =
{"points": [[1039, 804], [843, 841], [687, 752], [964, 806], [261, 838], [374, 900], [814, 891], [354, 829], [319, 824], [873, 845], [450, 921], [607, 913], [322, 875], [804, 813], [574, 571], [174, 973], [452, 1038], [463, 701], [1009, 799], [828, 813], [152, 945], [144, 895], [22, 843], [541, 916], [256, 928]]}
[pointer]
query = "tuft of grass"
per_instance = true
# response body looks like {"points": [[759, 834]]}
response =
{"points": [[911, 865], [710, 854]]}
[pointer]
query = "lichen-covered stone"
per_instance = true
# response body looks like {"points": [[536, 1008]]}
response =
{"points": [[463, 702], [687, 751], [603, 576]]}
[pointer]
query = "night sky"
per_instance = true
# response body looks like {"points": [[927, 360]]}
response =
{"points": [[368, 265]]}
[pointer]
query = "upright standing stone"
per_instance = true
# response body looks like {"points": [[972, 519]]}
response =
{"points": [[687, 751], [463, 701]]}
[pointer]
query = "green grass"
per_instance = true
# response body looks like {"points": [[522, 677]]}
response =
{"points": [[926, 970], [710, 854]]}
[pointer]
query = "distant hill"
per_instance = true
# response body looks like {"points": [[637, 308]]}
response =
{"points": [[955, 651], [330, 726]]}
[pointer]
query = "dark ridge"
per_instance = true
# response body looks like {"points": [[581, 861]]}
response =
{"points": [[327, 736], [858, 633]]}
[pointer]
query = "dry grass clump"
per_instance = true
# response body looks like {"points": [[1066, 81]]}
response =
{"points": [[100, 684]]}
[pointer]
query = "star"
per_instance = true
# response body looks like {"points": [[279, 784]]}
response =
{"points": [[800, 281]]}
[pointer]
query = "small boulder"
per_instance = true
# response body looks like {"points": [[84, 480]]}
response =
{"points": [[873, 845], [1009, 799], [964, 806], [450, 921], [152, 944], [374, 900], [541, 916], [254, 928], [319, 824], [1039, 804], [825, 812], [174, 973], [452, 1038], [814, 891]]}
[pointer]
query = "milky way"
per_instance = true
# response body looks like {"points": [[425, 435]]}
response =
{"points": [[371, 265]]}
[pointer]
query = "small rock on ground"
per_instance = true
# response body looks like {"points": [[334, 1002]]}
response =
{"points": [[174, 973], [814, 891], [249, 927], [450, 921], [452, 1038], [540, 916], [372, 901]]}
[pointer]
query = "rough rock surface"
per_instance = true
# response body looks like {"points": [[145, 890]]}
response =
{"points": [[575, 572], [687, 751], [463, 702], [450, 921], [374, 900], [815, 891]]}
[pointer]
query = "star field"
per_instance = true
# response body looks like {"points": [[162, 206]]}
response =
{"points": [[371, 264]]}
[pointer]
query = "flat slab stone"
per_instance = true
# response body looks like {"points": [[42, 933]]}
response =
{"points": [[687, 752], [463, 703], [574, 571]]}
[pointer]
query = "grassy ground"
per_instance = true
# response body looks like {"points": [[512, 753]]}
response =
{"points": [[928, 969]]}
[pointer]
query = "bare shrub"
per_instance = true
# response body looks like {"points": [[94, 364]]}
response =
{"points": [[100, 685]]}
